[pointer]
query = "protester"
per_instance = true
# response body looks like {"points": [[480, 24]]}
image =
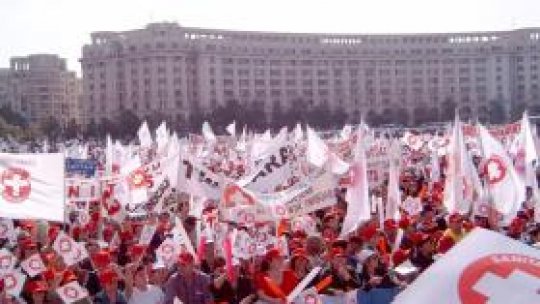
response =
{"points": [[206, 247], [189, 285]]}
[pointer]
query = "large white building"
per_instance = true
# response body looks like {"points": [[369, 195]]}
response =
{"points": [[39, 87], [166, 68]]}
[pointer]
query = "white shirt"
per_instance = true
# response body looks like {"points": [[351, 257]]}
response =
{"points": [[152, 295]]}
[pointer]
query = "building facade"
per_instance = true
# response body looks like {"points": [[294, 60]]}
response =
{"points": [[5, 88], [169, 69], [40, 86]]}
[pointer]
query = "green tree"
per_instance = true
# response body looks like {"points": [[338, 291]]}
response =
{"points": [[517, 111], [127, 123], [51, 128], [72, 129], [448, 110]]}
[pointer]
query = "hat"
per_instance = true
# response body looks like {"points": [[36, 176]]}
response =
{"points": [[272, 254], [107, 277], [28, 244], [101, 258], [137, 250], [48, 274], [455, 218], [185, 258], [368, 232], [445, 243], [390, 224], [337, 252], [68, 276], [400, 256], [404, 222], [36, 286]]}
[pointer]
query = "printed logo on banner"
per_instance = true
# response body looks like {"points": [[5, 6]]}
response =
{"points": [[495, 170], [138, 179], [16, 185], [6, 226], [7, 261], [71, 292], [490, 278]]}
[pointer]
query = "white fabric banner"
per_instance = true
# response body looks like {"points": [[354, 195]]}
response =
{"points": [[32, 186], [485, 267], [72, 292]]}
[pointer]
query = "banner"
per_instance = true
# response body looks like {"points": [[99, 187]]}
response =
{"points": [[199, 181], [485, 267], [277, 168], [32, 186], [85, 167]]}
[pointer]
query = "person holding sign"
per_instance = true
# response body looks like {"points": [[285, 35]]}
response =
{"points": [[341, 278]]}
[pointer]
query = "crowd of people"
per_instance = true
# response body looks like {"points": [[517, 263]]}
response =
{"points": [[373, 263]]}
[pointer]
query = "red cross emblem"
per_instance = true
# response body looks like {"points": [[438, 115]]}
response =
{"points": [[310, 299], [16, 182], [167, 249], [71, 292], [4, 229], [280, 210], [10, 281], [138, 179], [495, 170], [35, 264], [485, 279]]}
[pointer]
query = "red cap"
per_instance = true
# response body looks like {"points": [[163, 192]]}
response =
{"points": [[107, 277], [137, 250], [390, 224], [368, 232], [337, 252], [445, 243], [68, 276], [299, 252], [455, 218], [36, 286], [48, 274], [400, 256], [404, 222], [272, 254], [28, 244], [185, 258], [101, 258]]}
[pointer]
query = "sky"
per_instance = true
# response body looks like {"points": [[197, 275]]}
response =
{"points": [[63, 26]]}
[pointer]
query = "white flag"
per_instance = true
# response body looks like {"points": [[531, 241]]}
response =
{"points": [[162, 136], [33, 265], [208, 133], [393, 198], [147, 234], [358, 208], [109, 152], [168, 251], [484, 267], [145, 138], [319, 155], [32, 186], [505, 187], [71, 251], [231, 128], [298, 133], [72, 292], [462, 185]]}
